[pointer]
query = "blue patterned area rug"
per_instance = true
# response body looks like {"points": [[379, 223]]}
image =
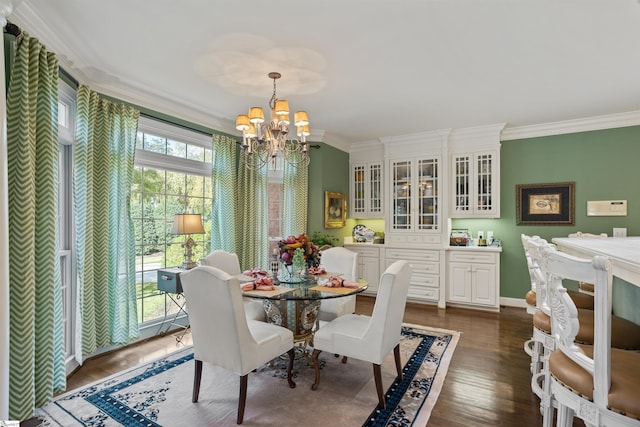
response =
{"points": [[159, 393]]}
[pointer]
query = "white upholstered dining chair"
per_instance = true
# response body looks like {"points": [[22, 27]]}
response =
{"points": [[339, 260], [370, 338], [230, 264], [223, 336], [596, 383]]}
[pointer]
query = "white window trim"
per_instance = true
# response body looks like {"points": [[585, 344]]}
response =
{"points": [[173, 132]]}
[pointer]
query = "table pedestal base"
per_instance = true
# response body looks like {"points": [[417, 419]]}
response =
{"points": [[299, 316]]}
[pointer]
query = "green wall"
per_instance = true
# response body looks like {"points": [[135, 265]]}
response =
{"points": [[604, 166], [328, 171]]}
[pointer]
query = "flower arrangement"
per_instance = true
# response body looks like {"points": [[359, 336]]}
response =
{"points": [[299, 248]]}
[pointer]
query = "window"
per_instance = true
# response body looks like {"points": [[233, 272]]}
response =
{"points": [[66, 127], [275, 188], [172, 175]]}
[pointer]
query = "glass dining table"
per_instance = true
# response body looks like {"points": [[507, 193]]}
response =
{"points": [[295, 305]]}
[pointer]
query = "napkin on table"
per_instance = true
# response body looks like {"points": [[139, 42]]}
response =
{"points": [[255, 272], [262, 284], [339, 282], [317, 270]]}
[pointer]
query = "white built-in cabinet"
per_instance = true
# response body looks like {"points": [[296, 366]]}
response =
{"points": [[425, 282], [366, 181], [368, 264], [475, 172], [473, 277], [367, 190], [417, 183]]}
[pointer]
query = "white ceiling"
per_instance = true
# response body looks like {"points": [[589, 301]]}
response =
{"points": [[362, 69]]}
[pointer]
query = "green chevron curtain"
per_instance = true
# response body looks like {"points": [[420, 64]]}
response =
{"points": [[103, 174], [223, 183], [36, 360], [296, 189], [252, 237]]}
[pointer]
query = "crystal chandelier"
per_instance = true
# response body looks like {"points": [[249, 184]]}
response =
{"points": [[264, 140]]}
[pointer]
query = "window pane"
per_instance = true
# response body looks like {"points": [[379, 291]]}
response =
{"points": [[175, 183], [155, 144], [177, 149], [63, 115], [175, 205], [208, 156], [153, 180], [139, 141], [195, 185], [195, 153]]}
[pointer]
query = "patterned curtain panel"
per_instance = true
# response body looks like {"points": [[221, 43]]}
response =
{"points": [[36, 361], [252, 236], [105, 256], [224, 183], [296, 189]]}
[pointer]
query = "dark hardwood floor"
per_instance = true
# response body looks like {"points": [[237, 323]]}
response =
{"points": [[488, 383]]}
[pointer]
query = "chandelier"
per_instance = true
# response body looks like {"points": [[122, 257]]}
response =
{"points": [[265, 140]]}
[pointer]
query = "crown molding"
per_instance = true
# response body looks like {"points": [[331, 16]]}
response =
{"points": [[631, 118]]}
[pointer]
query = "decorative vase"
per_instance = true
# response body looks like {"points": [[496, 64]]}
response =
{"points": [[291, 273]]}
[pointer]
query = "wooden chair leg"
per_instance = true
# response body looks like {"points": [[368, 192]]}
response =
{"points": [[242, 400], [314, 359], [377, 374], [197, 376], [396, 355], [292, 356]]}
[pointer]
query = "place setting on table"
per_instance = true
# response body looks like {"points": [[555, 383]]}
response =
{"points": [[259, 282]]}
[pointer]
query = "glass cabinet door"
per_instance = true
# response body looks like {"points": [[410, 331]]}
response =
{"points": [[427, 194], [375, 188], [401, 189], [358, 199], [473, 184], [462, 178], [484, 192]]}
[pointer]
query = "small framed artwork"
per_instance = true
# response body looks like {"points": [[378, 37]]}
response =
{"points": [[335, 210], [545, 204]]}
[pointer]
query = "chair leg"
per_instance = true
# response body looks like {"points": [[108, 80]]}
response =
{"points": [[314, 358], [292, 356], [197, 376], [396, 355], [377, 374], [242, 399]]}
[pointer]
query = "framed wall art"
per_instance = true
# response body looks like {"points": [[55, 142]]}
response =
{"points": [[335, 210], [545, 204]]}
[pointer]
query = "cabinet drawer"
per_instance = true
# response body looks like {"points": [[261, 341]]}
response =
{"points": [[364, 251], [419, 292], [425, 280], [483, 257], [409, 255], [425, 267], [169, 281]]}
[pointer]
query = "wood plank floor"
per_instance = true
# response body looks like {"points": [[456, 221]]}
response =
{"points": [[488, 383]]}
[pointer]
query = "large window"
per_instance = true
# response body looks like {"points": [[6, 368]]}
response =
{"points": [[172, 175]]}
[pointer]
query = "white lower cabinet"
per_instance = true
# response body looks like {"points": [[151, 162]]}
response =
{"points": [[425, 278], [368, 264], [473, 278]]}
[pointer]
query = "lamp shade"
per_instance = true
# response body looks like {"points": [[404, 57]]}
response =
{"points": [[187, 224], [256, 115], [301, 118], [242, 122], [282, 107]]}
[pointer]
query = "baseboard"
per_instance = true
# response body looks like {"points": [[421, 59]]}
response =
{"points": [[513, 302]]}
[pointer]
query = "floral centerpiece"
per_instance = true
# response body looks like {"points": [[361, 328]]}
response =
{"points": [[297, 253]]}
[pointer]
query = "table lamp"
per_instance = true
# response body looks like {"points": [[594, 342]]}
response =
{"points": [[187, 224]]}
